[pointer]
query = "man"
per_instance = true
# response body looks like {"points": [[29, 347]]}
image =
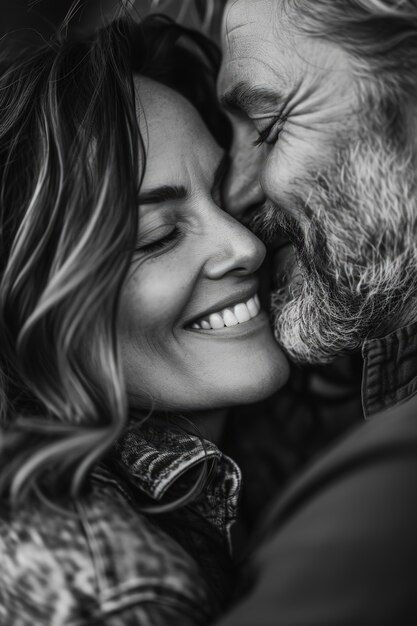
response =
{"points": [[323, 99]]}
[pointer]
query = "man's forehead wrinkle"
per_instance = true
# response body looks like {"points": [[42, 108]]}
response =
{"points": [[230, 31], [313, 52], [239, 15], [251, 15]]}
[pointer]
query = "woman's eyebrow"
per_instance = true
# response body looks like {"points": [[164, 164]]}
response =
{"points": [[164, 193], [167, 193]]}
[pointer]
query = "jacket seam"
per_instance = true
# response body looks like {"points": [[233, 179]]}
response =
{"points": [[136, 599], [94, 550]]}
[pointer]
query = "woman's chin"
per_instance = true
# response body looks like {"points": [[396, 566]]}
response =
{"points": [[265, 384], [254, 381], [210, 370]]}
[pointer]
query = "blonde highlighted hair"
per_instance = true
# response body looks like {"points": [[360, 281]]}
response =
{"points": [[71, 163]]}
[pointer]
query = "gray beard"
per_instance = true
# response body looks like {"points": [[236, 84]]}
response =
{"points": [[354, 274]]}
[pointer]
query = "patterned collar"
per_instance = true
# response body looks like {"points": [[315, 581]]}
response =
{"points": [[163, 463]]}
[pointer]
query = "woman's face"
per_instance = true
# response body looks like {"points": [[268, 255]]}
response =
{"points": [[191, 332]]}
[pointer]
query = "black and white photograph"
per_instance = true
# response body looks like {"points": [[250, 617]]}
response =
{"points": [[208, 340]]}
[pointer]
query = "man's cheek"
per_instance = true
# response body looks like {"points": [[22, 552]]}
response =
{"points": [[274, 179], [304, 147], [286, 169]]}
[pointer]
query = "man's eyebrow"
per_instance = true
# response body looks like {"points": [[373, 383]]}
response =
{"points": [[251, 100], [165, 193]]}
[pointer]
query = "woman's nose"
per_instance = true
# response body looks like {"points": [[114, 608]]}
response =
{"points": [[242, 191], [235, 250]]}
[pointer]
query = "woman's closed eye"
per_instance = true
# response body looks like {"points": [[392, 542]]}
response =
{"points": [[159, 238]]}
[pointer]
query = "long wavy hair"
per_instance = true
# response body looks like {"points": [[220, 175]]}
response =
{"points": [[71, 164]]}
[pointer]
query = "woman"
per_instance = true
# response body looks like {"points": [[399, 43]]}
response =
{"points": [[129, 318]]}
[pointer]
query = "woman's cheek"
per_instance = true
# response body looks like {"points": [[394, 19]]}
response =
{"points": [[154, 298]]}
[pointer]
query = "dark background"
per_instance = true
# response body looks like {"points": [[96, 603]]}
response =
{"points": [[34, 18]]}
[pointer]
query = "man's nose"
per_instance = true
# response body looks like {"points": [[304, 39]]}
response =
{"points": [[242, 191]]}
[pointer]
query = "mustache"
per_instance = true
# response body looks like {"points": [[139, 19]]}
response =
{"points": [[272, 223]]}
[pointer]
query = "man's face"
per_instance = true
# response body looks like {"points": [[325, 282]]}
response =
{"points": [[327, 172]]}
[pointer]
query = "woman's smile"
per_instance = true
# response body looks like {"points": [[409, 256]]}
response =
{"points": [[244, 331], [230, 316]]}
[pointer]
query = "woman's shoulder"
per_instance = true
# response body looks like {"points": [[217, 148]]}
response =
{"points": [[100, 557], [46, 572]]}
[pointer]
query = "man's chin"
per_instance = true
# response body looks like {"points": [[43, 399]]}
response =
{"points": [[290, 336], [304, 332]]}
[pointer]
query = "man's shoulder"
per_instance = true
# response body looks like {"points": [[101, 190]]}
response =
{"points": [[341, 545], [376, 455]]}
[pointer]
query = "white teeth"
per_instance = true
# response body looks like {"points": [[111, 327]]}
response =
{"points": [[253, 307], [241, 313], [229, 318], [216, 320]]}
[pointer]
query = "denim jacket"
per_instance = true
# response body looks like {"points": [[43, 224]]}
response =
{"points": [[107, 562]]}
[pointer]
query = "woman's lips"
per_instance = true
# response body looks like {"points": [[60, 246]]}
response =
{"points": [[229, 316]]}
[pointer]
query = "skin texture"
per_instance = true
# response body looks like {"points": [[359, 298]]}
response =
{"points": [[212, 258], [331, 175], [312, 84]]}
